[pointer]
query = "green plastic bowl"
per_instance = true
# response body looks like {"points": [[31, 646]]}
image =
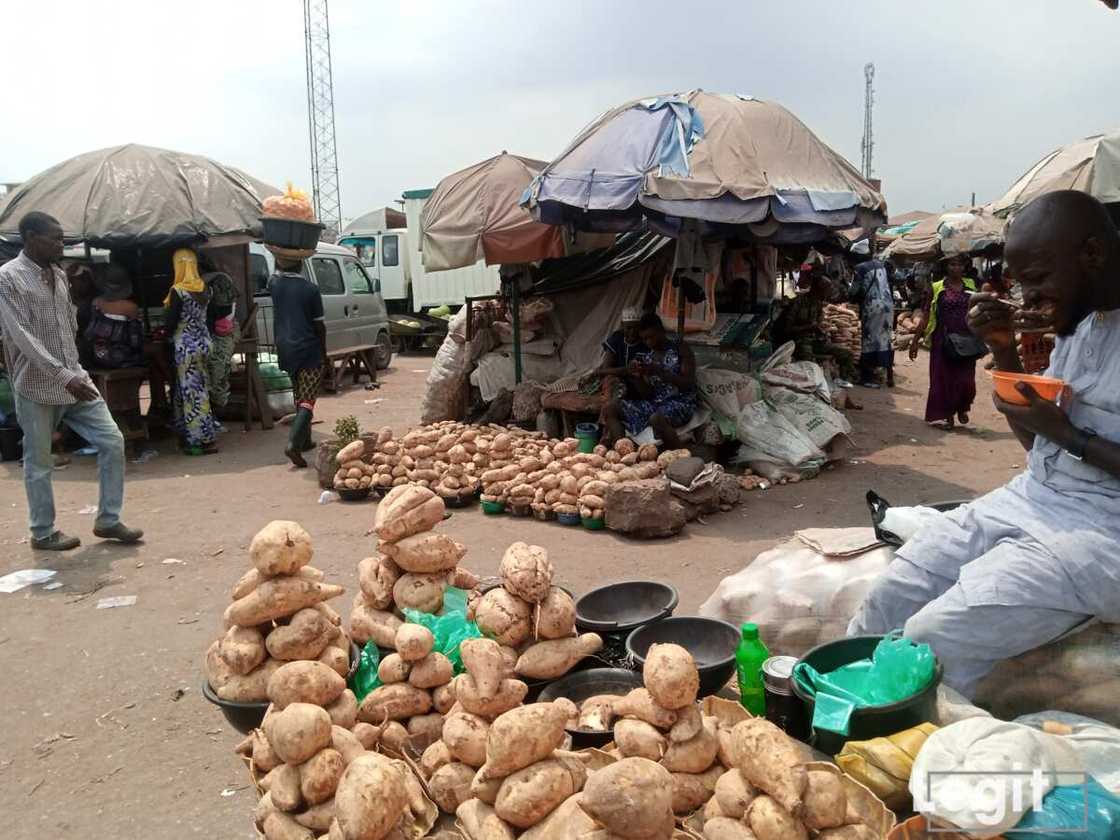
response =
{"points": [[493, 508], [593, 524]]}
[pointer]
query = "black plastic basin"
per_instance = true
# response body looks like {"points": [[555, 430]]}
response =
{"points": [[873, 721], [581, 685], [624, 606], [711, 642]]}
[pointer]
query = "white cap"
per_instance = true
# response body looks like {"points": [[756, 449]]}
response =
{"points": [[631, 314], [862, 247]]}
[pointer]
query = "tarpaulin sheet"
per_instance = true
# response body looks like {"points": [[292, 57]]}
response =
{"points": [[139, 196], [1091, 165]]}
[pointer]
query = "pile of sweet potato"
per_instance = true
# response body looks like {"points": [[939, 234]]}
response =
{"points": [[278, 616]]}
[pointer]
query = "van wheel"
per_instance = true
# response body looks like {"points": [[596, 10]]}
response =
{"points": [[383, 350]]}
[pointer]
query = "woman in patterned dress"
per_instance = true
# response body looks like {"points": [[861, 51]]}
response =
{"points": [[665, 378], [190, 341]]}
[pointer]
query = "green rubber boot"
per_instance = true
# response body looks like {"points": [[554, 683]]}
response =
{"points": [[299, 431]]}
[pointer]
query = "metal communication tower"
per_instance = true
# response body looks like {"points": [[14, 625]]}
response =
{"points": [[320, 115], [868, 143]]}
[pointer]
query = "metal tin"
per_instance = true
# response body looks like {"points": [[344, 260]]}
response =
{"points": [[783, 708]]}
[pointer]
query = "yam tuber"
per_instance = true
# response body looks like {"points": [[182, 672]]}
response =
{"points": [[393, 669], [504, 617], [482, 823], [344, 710], [631, 798], [376, 577], [637, 739], [243, 649], [368, 624], [279, 548], [283, 787], [530, 794], [670, 676], [319, 775], [432, 671], [419, 592], [597, 713], [770, 761], [725, 828], [304, 682], [556, 615], [695, 755], [510, 694], [252, 579], [450, 786], [346, 743], [395, 702], [484, 661], [426, 552], [465, 736], [551, 659], [413, 642], [526, 572], [279, 597], [407, 510], [770, 821], [298, 732], [734, 794], [304, 637], [640, 704], [825, 801], [523, 736], [434, 757], [424, 730], [692, 790], [371, 798]]}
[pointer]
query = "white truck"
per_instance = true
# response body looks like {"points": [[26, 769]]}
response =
{"points": [[392, 256]]}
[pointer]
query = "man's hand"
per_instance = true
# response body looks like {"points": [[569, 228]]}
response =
{"points": [[990, 319], [915, 342], [1041, 417], [82, 390]]}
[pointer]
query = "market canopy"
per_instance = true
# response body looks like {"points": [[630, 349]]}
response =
{"points": [[140, 196], [1091, 165], [725, 160], [963, 230], [475, 214]]}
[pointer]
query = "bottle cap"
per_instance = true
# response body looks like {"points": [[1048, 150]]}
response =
{"points": [[750, 631]]}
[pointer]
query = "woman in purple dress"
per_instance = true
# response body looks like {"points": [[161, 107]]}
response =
{"points": [[952, 381]]}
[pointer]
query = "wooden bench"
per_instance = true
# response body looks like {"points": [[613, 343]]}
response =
{"points": [[120, 388], [355, 360]]}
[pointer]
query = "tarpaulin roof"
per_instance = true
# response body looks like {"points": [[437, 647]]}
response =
{"points": [[140, 196], [628, 252], [721, 159], [1091, 165], [963, 230], [475, 214], [384, 218]]}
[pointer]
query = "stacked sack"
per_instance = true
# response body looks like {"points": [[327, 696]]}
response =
{"points": [[278, 616], [531, 620], [841, 326]]}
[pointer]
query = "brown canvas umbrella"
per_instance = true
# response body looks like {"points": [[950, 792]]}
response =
{"points": [[963, 230], [1091, 165], [475, 214], [140, 196]]}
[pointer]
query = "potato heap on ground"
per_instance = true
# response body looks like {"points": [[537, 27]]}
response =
{"points": [[772, 794], [354, 473], [841, 326], [278, 617]]}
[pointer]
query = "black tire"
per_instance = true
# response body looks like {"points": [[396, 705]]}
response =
{"points": [[383, 350]]}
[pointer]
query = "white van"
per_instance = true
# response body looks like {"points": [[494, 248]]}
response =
{"points": [[352, 303]]}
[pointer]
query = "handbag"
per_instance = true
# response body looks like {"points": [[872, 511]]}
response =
{"points": [[964, 347]]}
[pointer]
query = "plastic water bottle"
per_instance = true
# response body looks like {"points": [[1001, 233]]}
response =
{"points": [[749, 657]]}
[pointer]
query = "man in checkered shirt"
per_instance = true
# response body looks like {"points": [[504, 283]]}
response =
{"points": [[38, 323]]}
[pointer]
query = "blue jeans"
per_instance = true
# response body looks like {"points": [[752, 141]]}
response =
{"points": [[95, 424]]}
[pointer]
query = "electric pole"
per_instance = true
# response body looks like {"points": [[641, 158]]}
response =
{"points": [[320, 116], [868, 143]]}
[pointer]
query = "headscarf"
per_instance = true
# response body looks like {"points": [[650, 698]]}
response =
{"points": [[187, 279]]}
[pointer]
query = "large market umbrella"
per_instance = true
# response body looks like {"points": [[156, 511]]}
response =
{"points": [[140, 196], [1091, 165], [963, 230], [475, 214], [722, 159]]}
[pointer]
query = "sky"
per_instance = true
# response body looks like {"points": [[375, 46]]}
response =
{"points": [[969, 93]]}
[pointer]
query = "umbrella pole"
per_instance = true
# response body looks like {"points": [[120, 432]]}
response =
{"points": [[515, 304], [680, 312]]}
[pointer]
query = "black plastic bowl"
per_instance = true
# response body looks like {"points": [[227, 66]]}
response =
{"points": [[581, 685], [290, 233], [872, 721], [245, 717], [625, 606], [711, 642]]}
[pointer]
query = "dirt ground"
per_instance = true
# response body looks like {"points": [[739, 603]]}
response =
{"points": [[108, 734]]}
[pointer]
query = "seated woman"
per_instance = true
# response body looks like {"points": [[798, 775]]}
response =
{"points": [[114, 334], [665, 379], [801, 323], [620, 348]]}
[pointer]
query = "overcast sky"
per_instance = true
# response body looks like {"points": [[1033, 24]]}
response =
{"points": [[969, 93]]}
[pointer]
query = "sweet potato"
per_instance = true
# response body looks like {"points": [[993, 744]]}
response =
{"points": [[692, 790], [344, 710], [371, 798], [712, 810], [856, 831], [346, 743], [462, 578], [637, 739], [725, 828], [689, 723], [318, 817], [432, 671], [443, 698], [407, 510], [280, 826], [825, 801], [434, 757], [284, 788], [264, 758], [413, 642], [695, 755], [304, 637], [670, 676], [483, 660], [556, 616], [243, 649], [304, 682], [551, 659], [571, 712], [368, 624], [510, 694], [526, 572], [279, 548], [376, 577], [504, 618], [631, 798], [319, 775], [770, 761], [350, 452], [734, 794], [368, 734], [450, 786], [523, 736], [336, 659], [393, 669], [465, 736], [770, 821], [480, 822], [569, 820], [329, 613], [251, 688], [419, 592], [252, 579], [298, 732], [485, 788], [278, 597], [426, 552], [640, 704], [394, 737], [263, 809], [726, 754], [530, 794], [396, 702]]}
